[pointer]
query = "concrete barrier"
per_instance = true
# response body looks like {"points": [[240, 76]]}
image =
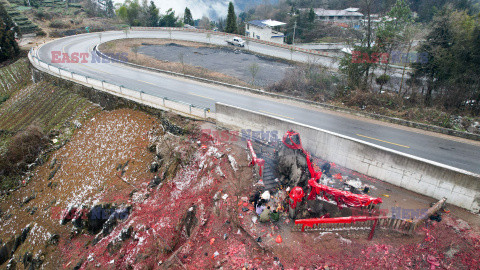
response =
{"points": [[427, 177]]}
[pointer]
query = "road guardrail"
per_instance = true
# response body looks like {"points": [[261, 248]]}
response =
{"points": [[139, 96]]}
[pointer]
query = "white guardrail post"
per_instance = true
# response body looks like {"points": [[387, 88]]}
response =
{"points": [[122, 91]]}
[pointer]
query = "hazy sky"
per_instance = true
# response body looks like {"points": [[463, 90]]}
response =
{"points": [[209, 8]]}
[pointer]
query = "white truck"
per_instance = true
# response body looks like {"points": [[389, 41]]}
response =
{"points": [[236, 41]]}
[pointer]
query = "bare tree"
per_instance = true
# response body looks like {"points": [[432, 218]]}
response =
{"points": [[253, 68], [181, 59], [135, 50]]}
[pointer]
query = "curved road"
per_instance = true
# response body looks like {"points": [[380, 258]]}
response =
{"points": [[463, 155]]}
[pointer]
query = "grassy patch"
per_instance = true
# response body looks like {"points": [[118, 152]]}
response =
{"points": [[14, 77]]}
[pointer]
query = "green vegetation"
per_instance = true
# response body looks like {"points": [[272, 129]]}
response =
{"points": [[8, 46], [134, 14], [231, 19], [187, 17], [451, 72], [14, 77]]}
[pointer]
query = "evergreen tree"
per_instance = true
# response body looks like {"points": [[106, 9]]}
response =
{"points": [[152, 15], [311, 15], [187, 18], [110, 10], [8, 45], [169, 19], [231, 19]]}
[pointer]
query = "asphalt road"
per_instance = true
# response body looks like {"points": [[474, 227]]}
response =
{"points": [[464, 156]]}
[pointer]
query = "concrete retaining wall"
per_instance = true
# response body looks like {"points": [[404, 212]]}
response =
{"points": [[433, 179]]}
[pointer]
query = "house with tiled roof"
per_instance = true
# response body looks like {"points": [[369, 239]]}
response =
{"points": [[350, 16]]}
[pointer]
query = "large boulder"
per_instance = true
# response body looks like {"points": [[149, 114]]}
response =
{"points": [[292, 167]]}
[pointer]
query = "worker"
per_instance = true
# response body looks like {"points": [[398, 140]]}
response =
{"points": [[259, 208]]}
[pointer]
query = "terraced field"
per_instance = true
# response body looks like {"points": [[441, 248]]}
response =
{"points": [[51, 107], [15, 11], [14, 77]]}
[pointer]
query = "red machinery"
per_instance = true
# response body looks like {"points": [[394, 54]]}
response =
{"points": [[255, 160], [291, 139]]}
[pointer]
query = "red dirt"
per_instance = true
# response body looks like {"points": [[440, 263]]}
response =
{"points": [[204, 178]]}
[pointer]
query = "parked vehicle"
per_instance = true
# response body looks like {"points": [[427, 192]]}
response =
{"points": [[236, 41]]}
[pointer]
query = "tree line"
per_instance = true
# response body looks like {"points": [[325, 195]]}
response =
{"points": [[8, 30], [444, 67]]}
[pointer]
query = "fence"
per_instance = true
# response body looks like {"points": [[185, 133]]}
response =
{"points": [[392, 224], [404, 226], [139, 96]]}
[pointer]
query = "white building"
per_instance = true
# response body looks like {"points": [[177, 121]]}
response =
{"points": [[350, 16], [263, 30]]}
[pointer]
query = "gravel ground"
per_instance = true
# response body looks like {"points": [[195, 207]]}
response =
{"points": [[229, 61]]}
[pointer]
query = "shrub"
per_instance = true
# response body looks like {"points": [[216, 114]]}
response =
{"points": [[3, 98], [365, 100], [41, 33], [310, 81], [22, 149], [58, 24], [43, 15]]}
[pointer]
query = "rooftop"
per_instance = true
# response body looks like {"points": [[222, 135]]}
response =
{"points": [[344, 12], [266, 23]]}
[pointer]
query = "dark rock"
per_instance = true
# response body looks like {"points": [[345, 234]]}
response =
{"points": [[113, 247], [97, 216], [154, 167], [29, 198], [53, 240], [155, 182], [4, 254], [54, 171], [69, 215], [292, 167], [27, 259], [152, 148], [109, 225], [189, 220], [126, 233], [25, 232], [79, 264]]}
